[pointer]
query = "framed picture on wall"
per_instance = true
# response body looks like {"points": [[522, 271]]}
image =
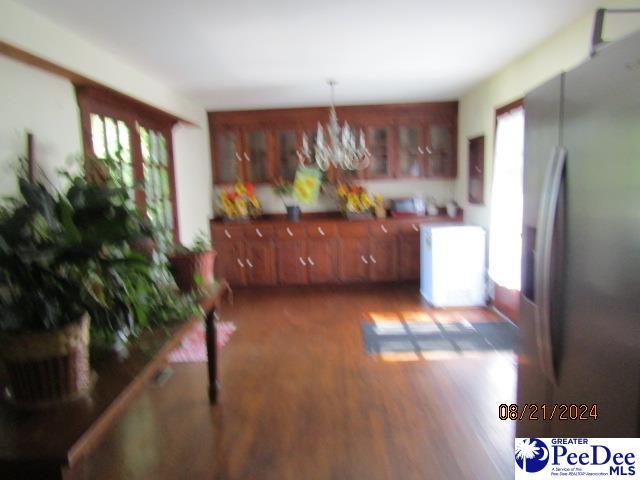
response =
{"points": [[476, 170]]}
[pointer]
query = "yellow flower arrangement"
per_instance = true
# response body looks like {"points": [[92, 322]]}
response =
{"points": [[355, 199], [240, 203]]}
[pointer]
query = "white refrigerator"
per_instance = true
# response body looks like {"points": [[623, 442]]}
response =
{"points": [[452, 265]]}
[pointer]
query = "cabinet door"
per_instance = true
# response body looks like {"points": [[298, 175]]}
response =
{"points": [[409, 256], [322, 260], [379, 145], [255, 156], [383, 259], [260, 261], [292, 262], [230, 262], [354, 259], [227, 156], [441, 151], [287, 162], [410, 151]]}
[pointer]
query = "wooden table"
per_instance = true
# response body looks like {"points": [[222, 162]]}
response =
{"points": [[52, 443]]}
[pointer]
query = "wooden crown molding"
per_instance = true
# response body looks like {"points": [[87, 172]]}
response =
{"points": [[84, 83]]}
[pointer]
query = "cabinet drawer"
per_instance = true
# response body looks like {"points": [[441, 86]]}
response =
{"points": [[225, 232], [321, 229], [289, 232], [355, 229], [258, 231], [383, 229]]}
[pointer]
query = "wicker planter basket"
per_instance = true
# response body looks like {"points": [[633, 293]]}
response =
{"points": [[47, 367], [184, 267]]}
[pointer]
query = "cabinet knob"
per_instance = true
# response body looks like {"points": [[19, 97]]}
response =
{"points": [[226, 233], [320, 231], [246, 157], [240, 263], [249, 263], [311, 262], [258, 232], [289, 232], [415, 227], [384, 229], [302, 262], [428, 150], [238, 157], [364, 259], [373, 259], [420, 150]]}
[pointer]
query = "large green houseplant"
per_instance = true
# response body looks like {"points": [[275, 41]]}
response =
{"points": [[65, 259]]}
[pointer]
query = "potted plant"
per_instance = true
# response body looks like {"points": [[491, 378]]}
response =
{"points": [[62, 262], [284, 189], [192, 267]]}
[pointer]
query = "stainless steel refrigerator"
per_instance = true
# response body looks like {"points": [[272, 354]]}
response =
{"points": [[580, 300]]}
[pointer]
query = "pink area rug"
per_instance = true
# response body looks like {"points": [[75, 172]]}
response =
{"points": [[194, 346]]}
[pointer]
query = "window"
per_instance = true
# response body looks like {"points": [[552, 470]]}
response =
{"points": [[155, 162], [137, 141], [507, 198]]}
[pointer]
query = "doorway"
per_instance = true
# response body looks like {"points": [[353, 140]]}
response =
{"points": [[505, 231]]}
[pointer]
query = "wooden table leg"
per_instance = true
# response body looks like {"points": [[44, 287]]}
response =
{"points": [[212, 355]]}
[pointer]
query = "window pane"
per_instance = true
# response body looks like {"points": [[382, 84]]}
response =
{"points": [[153, 146], [168, 208], [112, 137], [127, 176], [123, 138], [97, 136], [162, 145], [144, 144], [156, 184], [165, 183]]}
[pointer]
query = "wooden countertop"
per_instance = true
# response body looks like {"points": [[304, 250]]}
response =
{"points": [[338, 217]]}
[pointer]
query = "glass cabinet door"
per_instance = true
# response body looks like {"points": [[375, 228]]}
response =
{"points": [[255, 156], [378, 145], [227, 157], [410, 151], [286, 155], [440, 151]]}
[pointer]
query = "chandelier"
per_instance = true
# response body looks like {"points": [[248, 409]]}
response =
{"points": [[338, 147]]}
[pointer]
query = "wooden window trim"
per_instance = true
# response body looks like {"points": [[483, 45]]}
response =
{"points": [[508, 108], [134, 115]]}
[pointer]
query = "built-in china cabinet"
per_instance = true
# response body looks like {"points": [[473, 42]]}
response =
{"points": [[404, 140]]}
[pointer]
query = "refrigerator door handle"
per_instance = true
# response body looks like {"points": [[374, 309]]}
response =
{"points": [[544, 238]]}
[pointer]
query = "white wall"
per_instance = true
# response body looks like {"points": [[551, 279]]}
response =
{"points": [[36, 34], [44, 104], [561, 52]]}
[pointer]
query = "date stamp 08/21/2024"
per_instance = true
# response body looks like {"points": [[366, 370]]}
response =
{"points": [[548, 412]]}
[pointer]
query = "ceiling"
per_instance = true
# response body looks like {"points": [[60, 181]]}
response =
{"points": [[275, 53]]}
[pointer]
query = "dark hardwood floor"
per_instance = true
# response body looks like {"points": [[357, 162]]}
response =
{"points": [[300, 399]]}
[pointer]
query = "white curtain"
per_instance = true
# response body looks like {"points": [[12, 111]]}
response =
{"points": [[505, 232]]}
